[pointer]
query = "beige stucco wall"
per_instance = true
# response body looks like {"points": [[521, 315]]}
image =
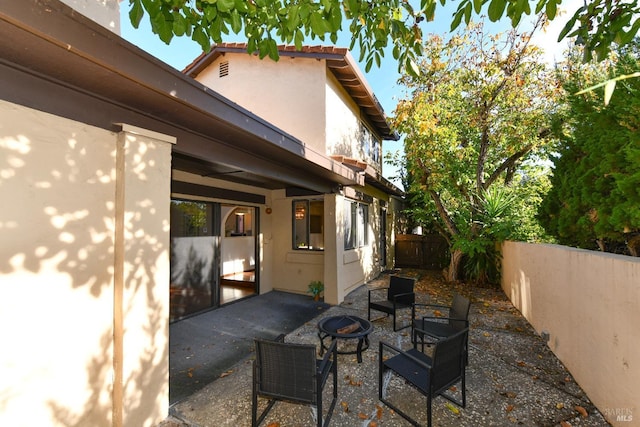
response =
{"points": [[104, 12], [346, 134], [332, 249], [142, 272], [293, 269], [343, 121], [288, 93], [341, 271], [589, 303], [358, 266], [84, 270]]}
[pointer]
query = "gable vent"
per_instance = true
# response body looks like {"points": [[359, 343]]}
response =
{"points": [[224, 69]]}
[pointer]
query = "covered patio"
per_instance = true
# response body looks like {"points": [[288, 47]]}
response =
{"points": [[513, 378]]}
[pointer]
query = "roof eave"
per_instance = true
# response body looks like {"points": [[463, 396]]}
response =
{"points": [[48, 41]]}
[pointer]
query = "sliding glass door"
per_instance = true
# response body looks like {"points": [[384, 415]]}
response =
{"points": [[213, 255], [237, 253], [194, 267]]}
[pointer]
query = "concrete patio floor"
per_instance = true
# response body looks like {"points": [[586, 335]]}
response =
{"points": [[512, 378]]}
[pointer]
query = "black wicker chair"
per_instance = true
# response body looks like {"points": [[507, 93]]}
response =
{"points": [[432, 376], [291, 372], [399, 295], [432, 328]]}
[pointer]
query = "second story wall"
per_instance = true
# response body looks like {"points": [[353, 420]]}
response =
{"points": [[347, 132], [288, 93]]}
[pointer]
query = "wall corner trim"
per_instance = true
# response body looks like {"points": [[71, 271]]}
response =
{"points": [[146, 133]]}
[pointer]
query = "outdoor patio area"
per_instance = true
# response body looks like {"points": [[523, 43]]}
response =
{"points": [[512, 377]]}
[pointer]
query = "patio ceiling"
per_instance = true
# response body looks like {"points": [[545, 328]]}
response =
{"points": [[60, 62]]}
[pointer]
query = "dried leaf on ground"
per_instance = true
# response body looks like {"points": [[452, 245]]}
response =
{"points": [[273, 424], [452, 408], [226, 374], [582, 411], [560, 405], [362, 416], [509, 408], [378, 412], [565, 424], [345, 406]]}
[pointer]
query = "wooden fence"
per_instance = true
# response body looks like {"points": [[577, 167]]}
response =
{"points": [[429, 252]]}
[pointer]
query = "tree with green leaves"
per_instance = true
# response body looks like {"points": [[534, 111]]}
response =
{"points": [[374, 25], [595, 199], [476, 122]]}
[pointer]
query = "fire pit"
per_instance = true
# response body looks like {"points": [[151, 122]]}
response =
{"points": [[346, 328]]}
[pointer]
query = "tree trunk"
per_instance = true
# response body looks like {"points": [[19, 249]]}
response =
{"points": [[452, 273], [634, 245]]}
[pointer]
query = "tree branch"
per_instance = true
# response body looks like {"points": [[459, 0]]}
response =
{"points": [[508, 163], [443, 232], [508, 69], [444, 215], [442, 211]]}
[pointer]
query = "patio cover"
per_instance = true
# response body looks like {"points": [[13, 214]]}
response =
{"points": [[61, 62]]}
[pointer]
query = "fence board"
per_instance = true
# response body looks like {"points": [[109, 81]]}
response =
{"points": [[429, 251]]}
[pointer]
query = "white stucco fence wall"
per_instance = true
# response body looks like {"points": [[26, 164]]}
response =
{"points": [[589, 303], [84, 272]]}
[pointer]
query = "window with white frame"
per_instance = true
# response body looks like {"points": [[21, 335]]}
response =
{"points": [[356, 224], [308, 225]]}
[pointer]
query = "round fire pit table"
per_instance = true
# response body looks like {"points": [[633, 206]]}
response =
{"points": [[346, 328]]}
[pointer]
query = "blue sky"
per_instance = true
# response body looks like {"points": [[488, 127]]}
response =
{"points": [[383, 80]]}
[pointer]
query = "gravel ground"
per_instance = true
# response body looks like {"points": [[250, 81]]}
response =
{"points": [[512, 378]]}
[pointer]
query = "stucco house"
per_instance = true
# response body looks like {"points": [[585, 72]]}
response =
{"points": [[342, 236], [137, 195]]}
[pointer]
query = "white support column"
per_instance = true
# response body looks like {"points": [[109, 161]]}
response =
{"points": [[141, 292], [333, 248]]}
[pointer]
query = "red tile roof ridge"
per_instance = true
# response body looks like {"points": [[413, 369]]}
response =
{"points": [[287, 48]]}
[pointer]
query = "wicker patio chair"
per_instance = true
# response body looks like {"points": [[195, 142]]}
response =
{"points": [[431, 376], [291, 372], [400, 295], [432, 328]]}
